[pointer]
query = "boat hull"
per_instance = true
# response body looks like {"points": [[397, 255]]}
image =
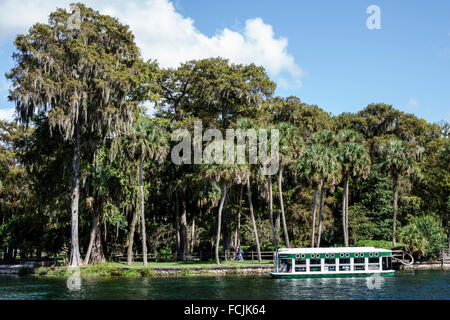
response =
{"points": [[277, 275]]}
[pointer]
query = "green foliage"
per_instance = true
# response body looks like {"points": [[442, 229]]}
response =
{"points": [[103, 269], [424, 237], [131, 273], [375, 198], [186, 272], [41, 271], [359, 223], [271, 247], [397, 159], [381, 244]]}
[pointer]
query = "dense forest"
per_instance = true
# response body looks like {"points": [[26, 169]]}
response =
{"points": [[84, 171]]}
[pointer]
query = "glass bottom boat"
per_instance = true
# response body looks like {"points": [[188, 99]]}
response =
{"points": [[332, 262]]}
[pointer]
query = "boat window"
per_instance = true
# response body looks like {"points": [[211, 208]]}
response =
{"points": [[387, 263], [314, 261], [330, 261], [315, 269], [345, 267], [344, 260], [285, 265], [300, 261], [359, 260], [300, 269], [374, 260], [360, 267]]}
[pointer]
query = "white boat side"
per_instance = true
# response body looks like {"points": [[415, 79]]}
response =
{"points": [[331, 262]]}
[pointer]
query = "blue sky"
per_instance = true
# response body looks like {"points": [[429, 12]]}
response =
{"points": [[320, 51]]}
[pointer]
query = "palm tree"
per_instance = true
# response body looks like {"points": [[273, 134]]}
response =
{"points": [[397, 162], [267, 163], [329, 167], [147, 142], [252, 216], [320, 166], [225, 175], [306, 168], [291, 147], [355, 161], [246, 124]]}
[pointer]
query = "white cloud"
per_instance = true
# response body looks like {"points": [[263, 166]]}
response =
{"points": [[164, 34], [7, 114], [413, 104]]}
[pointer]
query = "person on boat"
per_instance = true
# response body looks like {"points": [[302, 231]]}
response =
{"points": [[285, 266]]}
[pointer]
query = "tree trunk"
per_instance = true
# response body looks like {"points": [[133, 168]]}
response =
{"points": [[177, 226], [313, 231], [75, 259], [394, 220], [252, 215], [219, 220], [274, 233], [131, 239], [183, 232], [143, 232], [97, 255], [238, 225], [283, 217], [191, 248], [227, 231], [277, 220], [344, 212], [319, 235], [92, 236]]}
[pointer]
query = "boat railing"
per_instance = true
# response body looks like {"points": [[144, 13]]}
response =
{"points": [[402, 256]]}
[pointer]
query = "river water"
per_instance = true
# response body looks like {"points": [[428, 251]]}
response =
{"points": [[422, 285]]}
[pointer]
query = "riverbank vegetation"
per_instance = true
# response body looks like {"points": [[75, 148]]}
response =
{"points": [[86, 173], [174, 268]]}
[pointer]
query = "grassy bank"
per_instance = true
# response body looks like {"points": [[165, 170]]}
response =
{"points": [[178, 268]]}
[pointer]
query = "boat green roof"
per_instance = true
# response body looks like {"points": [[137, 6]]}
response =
{"points": [[331, 250]]}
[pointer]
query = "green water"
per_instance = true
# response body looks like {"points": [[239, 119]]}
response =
{"points": [[403, 285]]}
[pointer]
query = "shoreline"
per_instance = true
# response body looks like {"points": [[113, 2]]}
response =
{"points": [[124, 271], [428, 265]]}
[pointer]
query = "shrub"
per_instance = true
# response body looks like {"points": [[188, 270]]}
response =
{"points": [[424, 237], [186, 272], [147, 272], [270, 247], [105, 270], [381, 244], [42, 271], [132, 273]]}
